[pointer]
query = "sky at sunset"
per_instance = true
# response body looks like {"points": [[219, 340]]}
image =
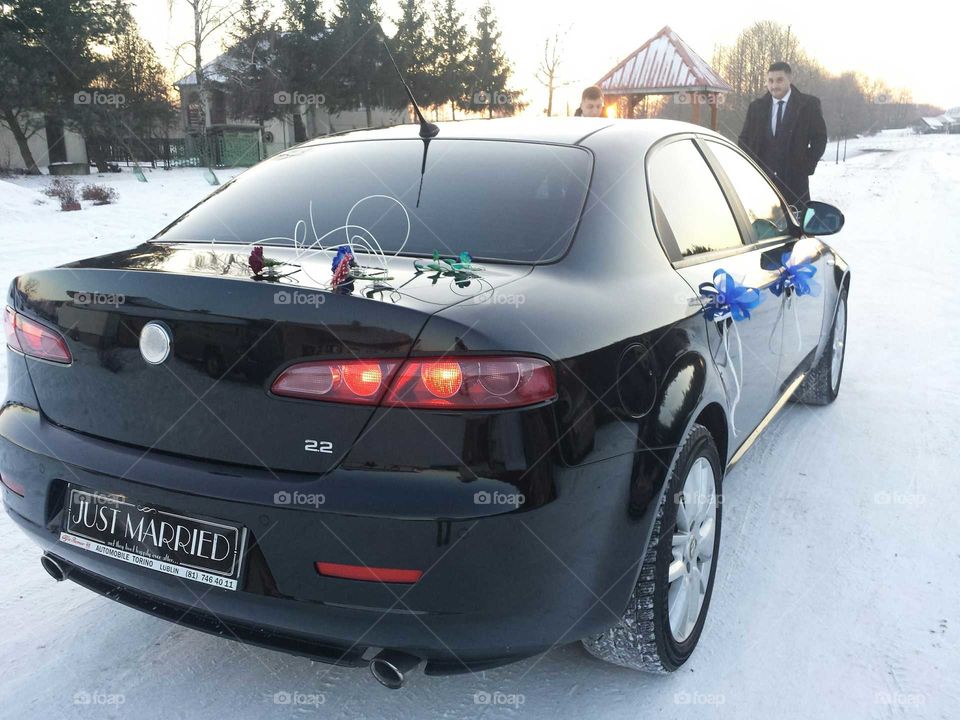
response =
{"points": [[911, 48]]}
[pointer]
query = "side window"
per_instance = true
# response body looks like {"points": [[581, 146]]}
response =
{"points": [[690, 209], [765, 212]]}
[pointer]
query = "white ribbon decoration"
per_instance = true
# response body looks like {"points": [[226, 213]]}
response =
{"points": [[725, 332]]}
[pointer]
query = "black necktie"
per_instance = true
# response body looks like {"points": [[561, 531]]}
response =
{"points": [[779, 117]]}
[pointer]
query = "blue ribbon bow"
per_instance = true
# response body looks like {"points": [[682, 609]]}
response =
{"points": [[797, 276], [727, 298]]}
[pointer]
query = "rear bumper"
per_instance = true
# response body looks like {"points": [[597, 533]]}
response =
{"points": [[496, 588]]}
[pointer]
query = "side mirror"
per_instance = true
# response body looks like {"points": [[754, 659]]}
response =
{"points": [[820, 218]]}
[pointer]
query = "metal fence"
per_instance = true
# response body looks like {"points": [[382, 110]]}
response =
{"points": [[218, 149]]}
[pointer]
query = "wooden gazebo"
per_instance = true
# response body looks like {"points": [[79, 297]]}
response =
{"points": [[666, 65]]}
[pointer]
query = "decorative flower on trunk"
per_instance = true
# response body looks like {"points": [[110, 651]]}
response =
{"points": [[258, 263]]}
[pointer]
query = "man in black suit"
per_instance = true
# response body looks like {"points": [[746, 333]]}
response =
{"points": [[785, 133]]}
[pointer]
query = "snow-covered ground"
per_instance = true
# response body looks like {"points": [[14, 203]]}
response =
{"points": [[838, 587]]}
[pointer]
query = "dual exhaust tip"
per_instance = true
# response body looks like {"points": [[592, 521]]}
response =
{"points": [[389, 667]]}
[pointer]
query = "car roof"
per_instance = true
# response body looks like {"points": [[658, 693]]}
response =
{"points": [[562, 130]]}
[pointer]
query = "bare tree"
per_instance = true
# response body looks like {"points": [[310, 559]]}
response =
{"points": [[209, 16], [548, 72]]}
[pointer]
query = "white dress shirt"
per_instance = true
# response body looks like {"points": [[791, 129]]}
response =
{"points": [[773, 112]]}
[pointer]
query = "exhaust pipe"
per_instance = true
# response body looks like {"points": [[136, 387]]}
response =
{"points": [[390, 667], [53, 567]]}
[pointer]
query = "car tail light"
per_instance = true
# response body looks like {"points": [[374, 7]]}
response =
{"points": [[9, 328], [32, 338], [472, 383], [362, 572], [464, 383], [349, 381]]}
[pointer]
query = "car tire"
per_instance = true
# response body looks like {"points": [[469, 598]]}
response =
{"points": [[822, 384], [645, 638]]}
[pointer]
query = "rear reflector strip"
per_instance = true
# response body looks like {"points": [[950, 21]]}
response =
{"points": [[17, 488], [370, 574]]}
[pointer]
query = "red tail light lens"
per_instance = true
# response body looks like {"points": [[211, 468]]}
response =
{"points": [[350, 381], [467, 383], [9, 328], [472, 383], [32, 338], [442, 379], [364, 379]]}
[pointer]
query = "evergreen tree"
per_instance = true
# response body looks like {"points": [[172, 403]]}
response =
{"points": [[250, 81], [303, 57], [359, 72], [488, 70], [451, 46], [414, 53]]}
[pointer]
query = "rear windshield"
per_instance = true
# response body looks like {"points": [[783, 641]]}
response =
{"points": [[497, 200]]}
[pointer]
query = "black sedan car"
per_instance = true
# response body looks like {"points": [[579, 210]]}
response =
{"points": [[447, 402]]}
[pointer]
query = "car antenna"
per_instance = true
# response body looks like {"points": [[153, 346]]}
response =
{"points": [[427, 129]]}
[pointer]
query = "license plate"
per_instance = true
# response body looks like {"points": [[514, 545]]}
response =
{"points": [[201, 550]]}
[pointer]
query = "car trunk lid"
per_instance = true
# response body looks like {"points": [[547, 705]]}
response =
{"points": [[231, 336]]}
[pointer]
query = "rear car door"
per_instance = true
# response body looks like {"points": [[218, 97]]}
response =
{"points": [[769, 228], [699, 228]]}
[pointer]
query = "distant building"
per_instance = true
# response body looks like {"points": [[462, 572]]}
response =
{"points": [[50, 143], [949, 122], [238, 142]]}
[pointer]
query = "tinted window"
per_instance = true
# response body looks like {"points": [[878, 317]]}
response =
{"points": [[764, 209], [691, 210], [495, 200]]}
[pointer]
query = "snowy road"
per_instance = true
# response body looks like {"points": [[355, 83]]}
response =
{"points": [[838, 587]]}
